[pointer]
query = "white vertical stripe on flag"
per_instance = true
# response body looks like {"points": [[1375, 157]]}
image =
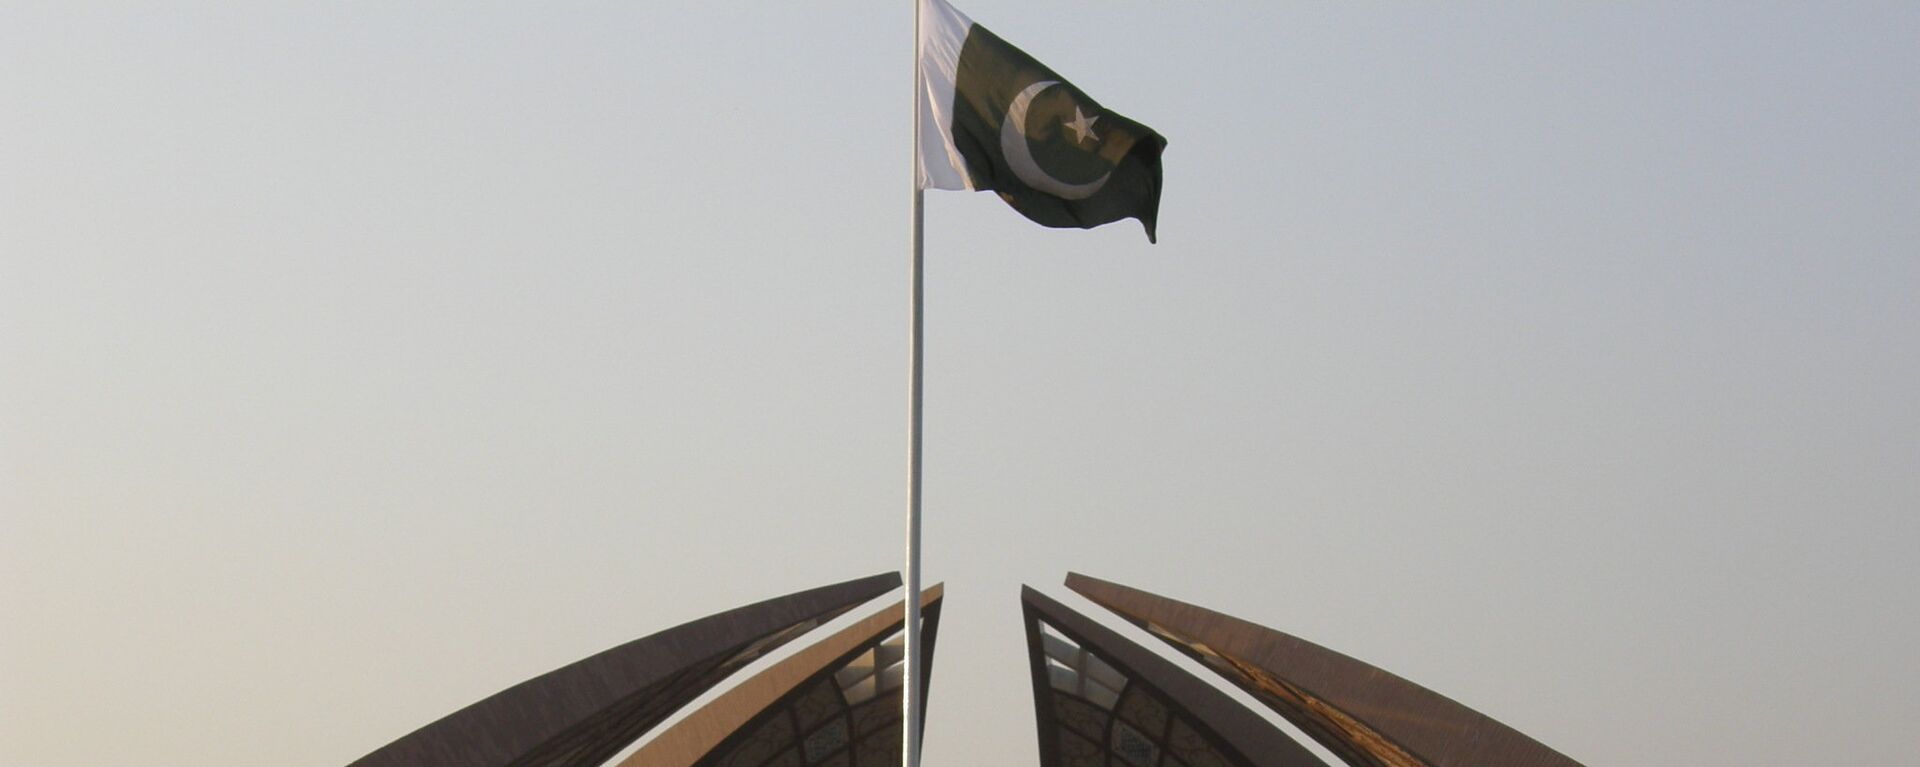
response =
{"points": [[942, 31]]}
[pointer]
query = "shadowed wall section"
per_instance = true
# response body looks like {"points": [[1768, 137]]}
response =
{"points": [[1367, 716], [588, 711], [1103, 701]]}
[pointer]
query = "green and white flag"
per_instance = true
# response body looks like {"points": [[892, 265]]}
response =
{"points": [[993, 118]]}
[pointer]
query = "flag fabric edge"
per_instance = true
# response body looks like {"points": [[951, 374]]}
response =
{"points": [[943, 31]]}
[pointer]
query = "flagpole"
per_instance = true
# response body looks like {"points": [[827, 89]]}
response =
{"points": [[911, 687]]}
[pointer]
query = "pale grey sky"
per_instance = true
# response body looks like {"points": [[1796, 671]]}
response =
{"points": [[358, 360]]}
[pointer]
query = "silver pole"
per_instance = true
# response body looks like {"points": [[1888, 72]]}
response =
{"points": [[910, 683]]}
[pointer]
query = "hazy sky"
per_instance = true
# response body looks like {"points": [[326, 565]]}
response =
{"points": [[358, 360]]}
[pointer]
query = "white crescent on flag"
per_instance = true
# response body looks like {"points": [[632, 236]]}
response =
{"points": [[1013, 145]]}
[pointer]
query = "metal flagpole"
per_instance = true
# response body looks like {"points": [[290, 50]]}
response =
{"points": [[910, 683]]}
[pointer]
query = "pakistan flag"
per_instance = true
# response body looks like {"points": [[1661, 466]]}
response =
{"points": [[991, 117]]}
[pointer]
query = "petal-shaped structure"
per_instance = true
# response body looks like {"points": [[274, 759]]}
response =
{"points": [[1102, 700], [1364, 714], [833, 703], [588, 711]]}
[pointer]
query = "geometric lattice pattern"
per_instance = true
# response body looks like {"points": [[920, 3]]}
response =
{"points": [[847, 715], [1105, 719]]}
